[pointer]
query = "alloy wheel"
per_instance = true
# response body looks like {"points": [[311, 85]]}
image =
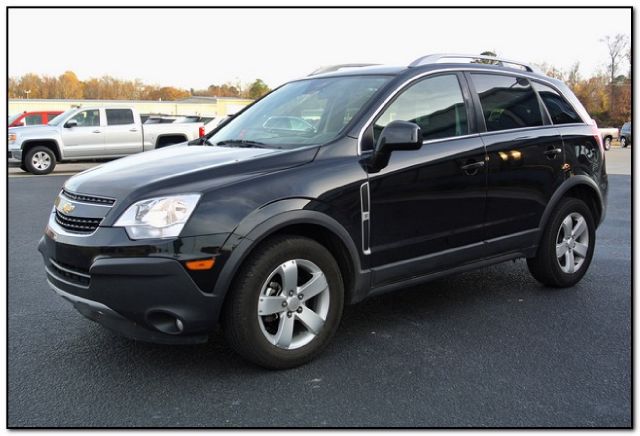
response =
{"points": [[41, 160], [572, 243], [293, 304]]}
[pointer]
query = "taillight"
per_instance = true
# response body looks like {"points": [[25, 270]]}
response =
{"points": [[201, 131], [596, 133]]}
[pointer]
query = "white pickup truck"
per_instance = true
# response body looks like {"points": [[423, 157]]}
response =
{"points": [[92, 133]]}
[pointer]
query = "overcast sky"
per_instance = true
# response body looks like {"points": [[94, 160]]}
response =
{"points": [[194, 48]]}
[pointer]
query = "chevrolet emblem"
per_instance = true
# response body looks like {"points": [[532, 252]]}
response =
{"points": [[68, 208]]}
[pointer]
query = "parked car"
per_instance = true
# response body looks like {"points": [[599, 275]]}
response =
{"points": [[410, 174], [209, 123], [32, 118], [608, 135], [92, 133], [625, 134]]}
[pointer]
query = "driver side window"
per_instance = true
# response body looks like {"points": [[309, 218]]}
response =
{"points": [[88, 118], [435, 104]]}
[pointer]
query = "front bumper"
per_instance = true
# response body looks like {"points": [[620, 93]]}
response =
{"points": [[139, 291]]}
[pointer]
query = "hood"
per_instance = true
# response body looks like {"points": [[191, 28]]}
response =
{"points": [[180, 168], [43, 129]]}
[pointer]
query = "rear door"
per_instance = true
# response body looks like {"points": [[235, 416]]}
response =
{"points": [[123, 135], [525, 157], [427, 205]]}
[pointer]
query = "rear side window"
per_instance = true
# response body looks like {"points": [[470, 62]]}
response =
{"points": [[33, 119], [435, 104], [507, 102], [119, 116], [559, 109]]}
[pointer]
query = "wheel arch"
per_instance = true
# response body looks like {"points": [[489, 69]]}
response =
{"points": [[301, 222], [160, 139], [49, 143], [581, 187]]}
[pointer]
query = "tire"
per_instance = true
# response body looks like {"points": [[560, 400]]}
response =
{"points": [[39, 160], [23, 167], [554, 271], [262, 339], [623, 142], [607, 143]]}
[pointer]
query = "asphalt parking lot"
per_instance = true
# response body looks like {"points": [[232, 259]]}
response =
{"points": [[486, 348]]}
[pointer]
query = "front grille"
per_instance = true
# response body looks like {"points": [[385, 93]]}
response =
{"points": [[77, 224], [70, 274], [89, 198]]}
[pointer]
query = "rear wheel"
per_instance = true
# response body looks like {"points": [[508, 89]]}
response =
{"points": [[285, 304], [607, 143], [567, 244], [39, 160], [623, 142]]}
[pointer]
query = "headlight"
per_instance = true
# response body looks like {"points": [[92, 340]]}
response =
{"points": [[160, 217], [12, 137]]}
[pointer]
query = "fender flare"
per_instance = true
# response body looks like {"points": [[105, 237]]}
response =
{"points": [[57, 150], [571, 182], [264, 222]]}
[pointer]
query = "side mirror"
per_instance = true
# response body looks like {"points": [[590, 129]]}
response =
{"points": [[398, 135], [71, 123]]}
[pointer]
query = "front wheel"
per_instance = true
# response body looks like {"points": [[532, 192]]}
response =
{"points": [[566, 247], [39, 160], [285, 303], [623, 142]]}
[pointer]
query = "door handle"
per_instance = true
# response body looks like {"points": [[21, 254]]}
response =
{"points": [[97, 131], [553, 152], [471, 169], [133, 130]]}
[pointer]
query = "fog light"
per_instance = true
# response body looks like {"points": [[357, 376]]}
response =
{"points": [[179, 324]]}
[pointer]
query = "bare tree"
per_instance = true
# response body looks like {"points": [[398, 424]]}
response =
{"points": [[616, 45]]}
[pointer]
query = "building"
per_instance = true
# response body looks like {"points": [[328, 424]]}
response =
{"points": [[204, 106]]}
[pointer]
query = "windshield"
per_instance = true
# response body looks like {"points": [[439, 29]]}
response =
{"points": [[306, 112], [57, 120], [12, 118]]}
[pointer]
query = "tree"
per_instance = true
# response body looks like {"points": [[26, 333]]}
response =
{"points": [[70, 86], [573, 76], [29, 86], [616, 45], [487, 61], [256, 90]]}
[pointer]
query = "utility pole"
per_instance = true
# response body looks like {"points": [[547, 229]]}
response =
{"points": [[27, 91]]}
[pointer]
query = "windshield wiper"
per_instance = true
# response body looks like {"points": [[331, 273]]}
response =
{"points": [[243, 143]]}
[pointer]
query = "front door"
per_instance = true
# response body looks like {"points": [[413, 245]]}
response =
{"points": [[427, 205], [87, 138]]}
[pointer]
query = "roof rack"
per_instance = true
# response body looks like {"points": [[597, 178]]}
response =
{"points": [[338, 67], [435, 58]]}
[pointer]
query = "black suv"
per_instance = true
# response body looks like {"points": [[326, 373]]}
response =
{"points": [[345, 184]]}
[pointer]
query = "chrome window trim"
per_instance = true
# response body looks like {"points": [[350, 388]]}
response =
{"points": [[408, 82]]}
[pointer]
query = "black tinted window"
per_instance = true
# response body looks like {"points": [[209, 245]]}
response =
{"points": [[559, 109], [507, 102], [435, 104], [32, 119], [119, 116]]}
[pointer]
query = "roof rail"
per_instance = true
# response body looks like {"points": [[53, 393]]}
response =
{"points": [[435, 58], [338, 67]]}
